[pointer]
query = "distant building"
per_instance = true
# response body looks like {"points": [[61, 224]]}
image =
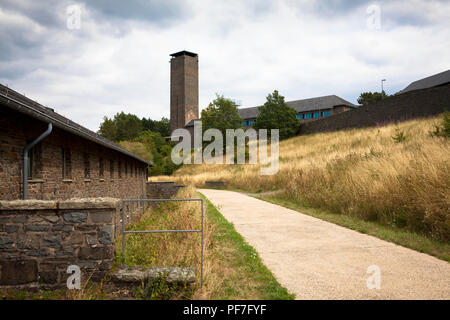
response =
{"points": [[69, 162], [183, 89], [307, 109], [437, 80]]}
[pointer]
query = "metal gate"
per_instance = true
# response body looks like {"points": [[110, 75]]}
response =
{"points": [[143, 201]]}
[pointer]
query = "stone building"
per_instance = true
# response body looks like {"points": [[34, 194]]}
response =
{"points": [[307, 109], [70, 162]]}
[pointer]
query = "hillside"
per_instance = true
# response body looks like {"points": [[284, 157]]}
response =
{"points": [[398, 175]]}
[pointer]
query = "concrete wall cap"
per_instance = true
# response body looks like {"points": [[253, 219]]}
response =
{"points": [[79, 203]]}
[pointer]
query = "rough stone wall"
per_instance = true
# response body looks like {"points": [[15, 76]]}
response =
{"points": [[40, 239], [162, 190], [48, 182], [410, 105]]}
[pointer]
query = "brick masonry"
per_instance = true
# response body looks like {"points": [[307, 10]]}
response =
{"points": [[50, 179], [410, 105], [183, 90], [40, 239]]}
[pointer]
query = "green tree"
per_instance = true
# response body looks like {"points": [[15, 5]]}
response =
{"points": [[276, 114], [108, 129], [369, 97], [162, 126], [221, 114], [129, 126]]}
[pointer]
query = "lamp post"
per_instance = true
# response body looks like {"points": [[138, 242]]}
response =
{"points": [[382, 80]]}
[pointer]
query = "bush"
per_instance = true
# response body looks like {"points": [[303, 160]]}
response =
{"points": [[444, 129]]}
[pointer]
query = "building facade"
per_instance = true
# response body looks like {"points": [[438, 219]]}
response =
{"points": [[183, 89], [70, 162], [307, 109]]}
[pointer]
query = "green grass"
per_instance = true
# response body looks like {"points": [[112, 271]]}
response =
{"points": [[398, 236], [249, 278]]}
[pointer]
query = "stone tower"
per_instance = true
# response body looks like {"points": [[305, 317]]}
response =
{"points": [[183, 89]]}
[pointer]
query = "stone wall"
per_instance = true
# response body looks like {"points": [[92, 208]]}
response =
{"points": [[40, 239], [162, 190], [410, 105], [111, 173]]}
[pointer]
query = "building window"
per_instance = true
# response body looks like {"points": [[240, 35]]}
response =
{"points": [[87, 166], [300, 116], [250, 122], [101, 168], [316, 115], [244, 124], [119, 169], [326, 113], [66, 163], [307, 115], [111, 169], [126, 170]]}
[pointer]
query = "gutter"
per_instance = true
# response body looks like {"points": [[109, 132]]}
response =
{"points": [[26, 159]]}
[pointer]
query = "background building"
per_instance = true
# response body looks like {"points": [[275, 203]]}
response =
{"points": [[307, 109]]}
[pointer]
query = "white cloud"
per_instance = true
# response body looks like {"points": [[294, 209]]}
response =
{"points": [[246, 50]]}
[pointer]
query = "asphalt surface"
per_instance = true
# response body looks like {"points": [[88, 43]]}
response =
{"points": [[315, 259]]}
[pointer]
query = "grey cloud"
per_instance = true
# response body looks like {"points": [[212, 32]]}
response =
{"points": [[152, 11], [43, 13]]}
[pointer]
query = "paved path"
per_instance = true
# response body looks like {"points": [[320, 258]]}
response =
{"points": [[319, 260]]}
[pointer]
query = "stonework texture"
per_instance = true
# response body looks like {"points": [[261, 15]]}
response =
{"points": [[162, 190], [90, 170], [40, 239]]}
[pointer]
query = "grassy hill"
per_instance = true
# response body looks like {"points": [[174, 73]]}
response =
{"points": [[398, 175]]}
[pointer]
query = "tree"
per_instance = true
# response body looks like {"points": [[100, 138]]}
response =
{"points": [[276, 114], [221, 114], [129, 126], [108, 129], [369, 97], [162, 126]]}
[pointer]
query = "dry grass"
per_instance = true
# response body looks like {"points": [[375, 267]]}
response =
{"points": [[367, 173], [232, 269]]}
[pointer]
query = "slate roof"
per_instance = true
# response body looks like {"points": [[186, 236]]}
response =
{"points": [[304, 105], [438, 79], [20, 103]]}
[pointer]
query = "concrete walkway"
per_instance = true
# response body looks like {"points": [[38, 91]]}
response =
{"points": [[319, 260]]}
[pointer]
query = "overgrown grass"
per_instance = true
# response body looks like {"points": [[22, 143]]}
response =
{"points": [[232, 268], [404, 238], [366, 173]]}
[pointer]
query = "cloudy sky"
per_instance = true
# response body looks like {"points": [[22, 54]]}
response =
{"points": [[117, 57]]}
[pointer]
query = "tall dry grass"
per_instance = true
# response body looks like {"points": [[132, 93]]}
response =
{"points": [[361, 172]]}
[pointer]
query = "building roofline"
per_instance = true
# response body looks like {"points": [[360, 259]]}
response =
{"points": [[57, 120], [184, 53]]}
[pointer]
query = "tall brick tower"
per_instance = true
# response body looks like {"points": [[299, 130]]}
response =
{"points": [[183, 89]]}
